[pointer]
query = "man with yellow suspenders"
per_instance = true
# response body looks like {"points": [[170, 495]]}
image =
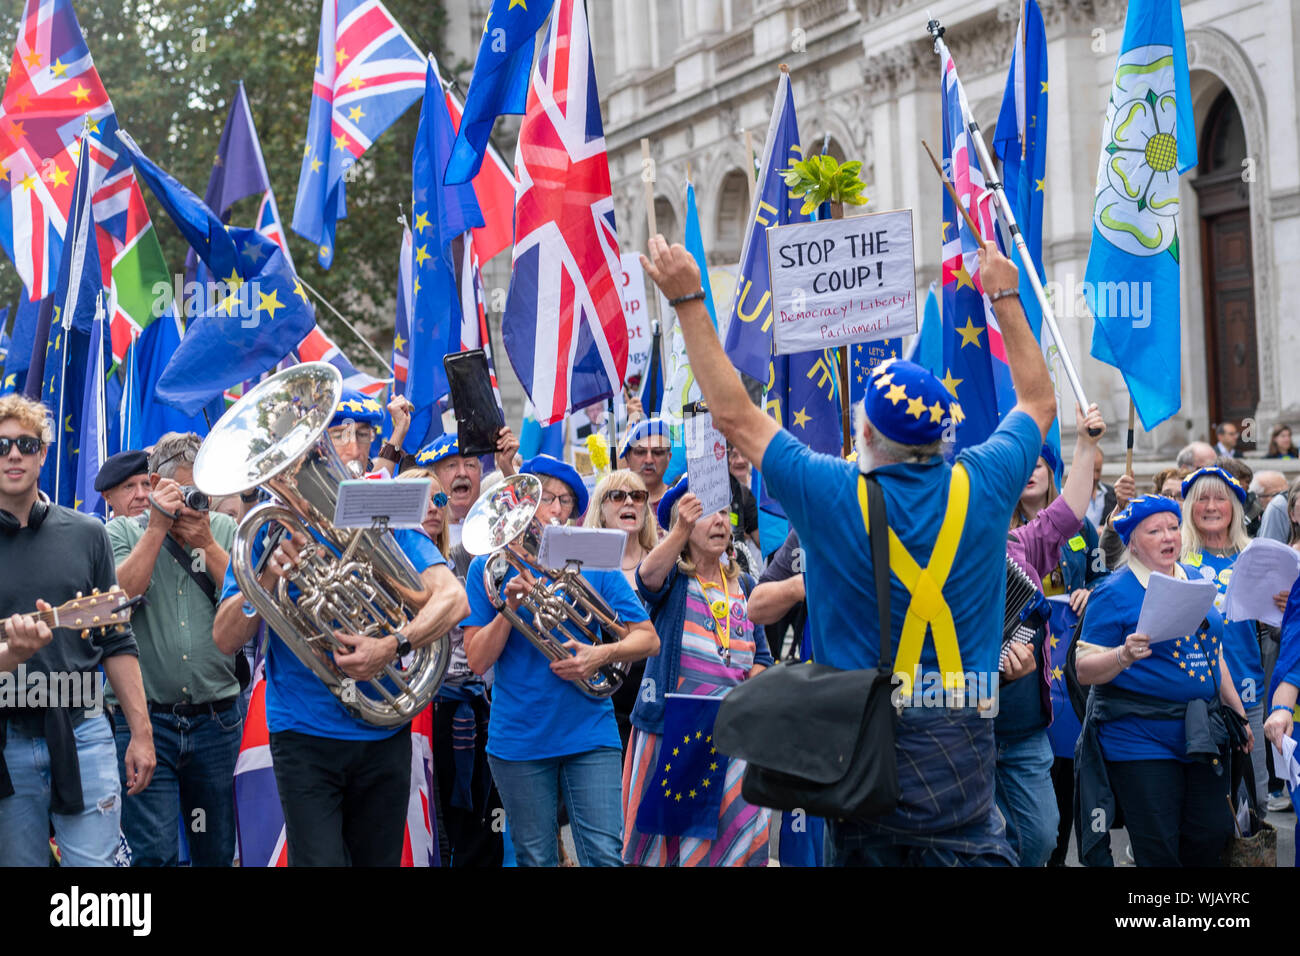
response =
{"points": [[947, 542]]}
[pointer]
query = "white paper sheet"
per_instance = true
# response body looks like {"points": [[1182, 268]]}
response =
{"points": [[1265, 568], [1284, 762], [1174, 608], [401, 503], [593, 548]]}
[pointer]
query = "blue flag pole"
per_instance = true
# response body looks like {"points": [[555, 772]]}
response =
{"points": [[1008, 218]]}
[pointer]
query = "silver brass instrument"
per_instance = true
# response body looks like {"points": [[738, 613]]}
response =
{"points": [[275, 438], [503, 525]]}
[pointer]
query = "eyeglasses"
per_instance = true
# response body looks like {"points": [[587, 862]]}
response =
{"points": [[567, 500], [640, 452], [27, 445], [347, 433], [439, 500], [619, 495]]}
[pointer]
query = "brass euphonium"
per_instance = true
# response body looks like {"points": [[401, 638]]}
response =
{"points": [[503, 525], [275, 438]]}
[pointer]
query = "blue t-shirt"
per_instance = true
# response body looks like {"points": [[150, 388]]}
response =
{"points": [[296, 699], [1186, 668], [820, 496], [536, 715], [1240, 643]]}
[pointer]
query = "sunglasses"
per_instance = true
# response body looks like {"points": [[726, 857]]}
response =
{"points": [[619, 495], [27, 445], [439, 500]]}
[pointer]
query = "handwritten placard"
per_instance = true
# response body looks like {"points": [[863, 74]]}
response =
{"points": [[841, 281], [706, 463], [637, 315]]}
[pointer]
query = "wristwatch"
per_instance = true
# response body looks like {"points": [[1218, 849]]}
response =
{"points": [[403, 645], [389, 453]]}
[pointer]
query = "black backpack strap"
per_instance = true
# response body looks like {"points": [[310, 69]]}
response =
{"points": [[879, 536], [201, 578]]}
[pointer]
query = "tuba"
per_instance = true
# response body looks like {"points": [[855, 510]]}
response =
{"points": [[503, 525], [358, 580]]}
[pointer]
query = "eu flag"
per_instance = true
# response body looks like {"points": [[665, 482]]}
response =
{"points": [[1132, 279], [500, 81], [1021, 145], [863, 357], [21, 342], [76, 292], [92, 441], [684, 793], [970, 334], [264, 315], [367, 73], [238, 170], [442, 213], [749, 333]]}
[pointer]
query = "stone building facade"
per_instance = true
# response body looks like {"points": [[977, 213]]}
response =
{"points": [[692, 75]]}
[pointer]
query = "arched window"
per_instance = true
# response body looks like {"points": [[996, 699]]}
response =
{"points": [[733, 210], [666, 220], [1224, 139]]}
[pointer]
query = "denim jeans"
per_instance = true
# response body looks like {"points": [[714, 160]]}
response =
{"points": [[1177, 814], [1027, 798], [89, 838], [195, 772], [592, 786]]}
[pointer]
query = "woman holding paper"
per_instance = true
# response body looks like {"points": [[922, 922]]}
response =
{"points": [[697, 598], [1214, 535], [547, 737], [1155, 741]]}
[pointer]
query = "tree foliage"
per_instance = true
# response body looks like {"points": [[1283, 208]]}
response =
{"points": [[171, 67]]}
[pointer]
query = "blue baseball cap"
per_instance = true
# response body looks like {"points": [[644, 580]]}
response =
{"points": [[644, 429]]}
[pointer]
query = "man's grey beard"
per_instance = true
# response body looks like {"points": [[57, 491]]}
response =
{"points": [[866, 460]]}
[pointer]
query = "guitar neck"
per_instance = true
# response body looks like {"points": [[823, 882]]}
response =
{"points": [[47, 616]]}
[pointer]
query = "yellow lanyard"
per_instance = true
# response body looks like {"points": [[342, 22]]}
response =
{"points": [[721, 611]]}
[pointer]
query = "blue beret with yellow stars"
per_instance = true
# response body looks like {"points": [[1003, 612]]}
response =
{"points": [[1141, 508], [642, 430], [907, 404], [357, 407], [444, 446], [1215, 472]]}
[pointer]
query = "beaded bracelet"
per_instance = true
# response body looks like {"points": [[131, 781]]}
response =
{"points": [[686, 298], [1280, 707]]}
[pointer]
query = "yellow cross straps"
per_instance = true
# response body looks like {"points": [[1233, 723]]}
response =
{"points": [[927, 608]]}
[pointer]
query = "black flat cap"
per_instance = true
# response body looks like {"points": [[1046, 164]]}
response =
{"points": [[118, 468]]}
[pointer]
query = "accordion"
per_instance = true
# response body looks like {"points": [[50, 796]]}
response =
{"points": [[1026, 609]]}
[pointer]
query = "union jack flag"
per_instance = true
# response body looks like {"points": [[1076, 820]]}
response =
{"points": [[259, 819], [563, 328], [975, 359], [473, 313], [319, 347], [53, 92], [269, 225], [367, 73]]}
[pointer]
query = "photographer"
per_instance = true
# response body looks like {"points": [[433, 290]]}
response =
{"points": [[176, 554]]}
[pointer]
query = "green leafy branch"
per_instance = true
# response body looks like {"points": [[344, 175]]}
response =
{"points": [[820, 179]]}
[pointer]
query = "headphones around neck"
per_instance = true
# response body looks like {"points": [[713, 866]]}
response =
{"points": [[9, 524]]}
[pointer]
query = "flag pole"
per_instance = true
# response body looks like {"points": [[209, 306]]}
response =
{"points": [[1128, 454], [658, 322], [361, 338], [1003, 207]]}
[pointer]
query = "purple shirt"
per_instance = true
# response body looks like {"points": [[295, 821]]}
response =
{"points": [[1036, 546]]}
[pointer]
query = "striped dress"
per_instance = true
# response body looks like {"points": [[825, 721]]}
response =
{"points": [[742, 829]]}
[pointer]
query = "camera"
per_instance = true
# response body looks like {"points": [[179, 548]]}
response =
{"points": [[194, 499]]}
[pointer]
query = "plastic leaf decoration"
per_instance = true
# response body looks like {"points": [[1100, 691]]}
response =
{"points": [[820, 179]]}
